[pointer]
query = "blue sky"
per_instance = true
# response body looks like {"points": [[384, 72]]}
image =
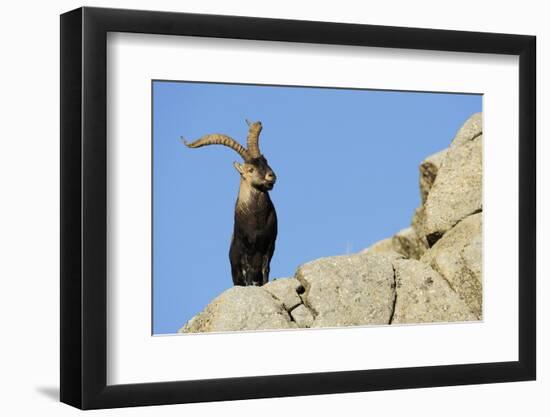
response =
{"points": [[347, 176]]}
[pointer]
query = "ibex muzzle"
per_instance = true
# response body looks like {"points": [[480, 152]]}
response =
{"points": [[255, 228]]}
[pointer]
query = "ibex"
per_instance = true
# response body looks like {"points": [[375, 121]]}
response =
{"points": [[255, 228]]}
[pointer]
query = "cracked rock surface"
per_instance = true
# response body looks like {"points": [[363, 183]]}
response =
{"points": [[302, 316], [349, 290], [285, 290]]}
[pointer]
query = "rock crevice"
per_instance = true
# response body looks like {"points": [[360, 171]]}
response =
{"points": [[394, 302]]}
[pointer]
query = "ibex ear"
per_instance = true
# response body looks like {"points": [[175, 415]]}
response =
{"points": [[239, 167]]}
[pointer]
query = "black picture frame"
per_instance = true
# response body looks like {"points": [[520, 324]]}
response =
{"points": [[84, 207]]}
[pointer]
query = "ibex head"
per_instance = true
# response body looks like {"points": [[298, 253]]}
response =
{"points": [[255, 170]]}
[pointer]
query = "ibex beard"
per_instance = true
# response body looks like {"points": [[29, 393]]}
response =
{"points": [[255, 226]]}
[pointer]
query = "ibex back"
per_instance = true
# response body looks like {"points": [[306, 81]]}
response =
{"points": [[255, 228]]}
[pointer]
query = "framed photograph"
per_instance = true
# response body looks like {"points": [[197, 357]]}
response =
{"points": [[257, 208]]}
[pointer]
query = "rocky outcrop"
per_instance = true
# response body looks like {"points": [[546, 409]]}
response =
{"points": [[349, 290], [428, 272], [448, 224]]}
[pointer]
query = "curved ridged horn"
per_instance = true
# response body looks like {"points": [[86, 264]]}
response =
{"points": [[254, 130], [218, 139]]}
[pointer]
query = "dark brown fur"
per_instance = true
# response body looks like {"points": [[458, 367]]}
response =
{"points": [[255, 228]]}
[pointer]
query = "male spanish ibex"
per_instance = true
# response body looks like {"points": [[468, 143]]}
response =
{"points": [[255, 228]]}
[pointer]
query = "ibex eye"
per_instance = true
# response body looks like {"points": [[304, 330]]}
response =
{"points": [[250, 169]]}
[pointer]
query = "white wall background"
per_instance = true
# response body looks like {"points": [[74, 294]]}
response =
{"points": [[29, 209]]}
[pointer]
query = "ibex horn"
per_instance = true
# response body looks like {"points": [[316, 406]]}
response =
{"points": [[218, 139], [253, 137]]}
